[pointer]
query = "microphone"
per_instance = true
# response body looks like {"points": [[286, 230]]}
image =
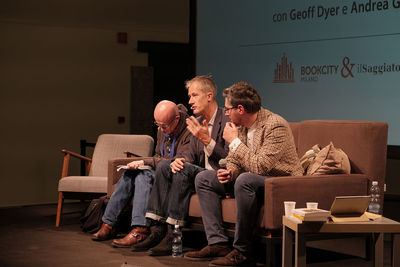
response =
{"points": [[222, 164]]}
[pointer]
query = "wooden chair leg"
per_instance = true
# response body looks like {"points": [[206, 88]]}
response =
{"points": [[59, 208]]}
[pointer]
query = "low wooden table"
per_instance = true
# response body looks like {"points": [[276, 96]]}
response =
{"points": [[296, 231]]}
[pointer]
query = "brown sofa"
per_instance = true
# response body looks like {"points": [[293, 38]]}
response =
{"points": [[364, 142]]}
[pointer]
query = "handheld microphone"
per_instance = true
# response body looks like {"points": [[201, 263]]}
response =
{"points": [[222, 164]]}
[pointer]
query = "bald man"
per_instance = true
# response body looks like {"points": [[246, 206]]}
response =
{"points": [[172, 139]]}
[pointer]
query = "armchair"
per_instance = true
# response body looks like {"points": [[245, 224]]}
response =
{"points": [[108, 146]]}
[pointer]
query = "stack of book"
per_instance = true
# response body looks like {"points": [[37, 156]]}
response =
{"points": [[311, 215]]}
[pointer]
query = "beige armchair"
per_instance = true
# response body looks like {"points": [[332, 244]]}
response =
{"points": [[108, 146]]}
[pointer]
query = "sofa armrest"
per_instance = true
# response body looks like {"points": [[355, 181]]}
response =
{"points": [[319, 188], [113, 175]]}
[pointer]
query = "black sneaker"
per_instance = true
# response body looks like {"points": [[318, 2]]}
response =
{"points": [[158, 232]]}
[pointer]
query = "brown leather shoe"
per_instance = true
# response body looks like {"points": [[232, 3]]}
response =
{"points": [[234, 258], [208, 253], [137, 235], [106, 232]]}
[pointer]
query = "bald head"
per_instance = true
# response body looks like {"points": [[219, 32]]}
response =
{"points": [[166, 115]]}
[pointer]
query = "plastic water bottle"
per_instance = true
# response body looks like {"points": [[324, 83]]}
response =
{"points": [[375, 203], [177, 242]]}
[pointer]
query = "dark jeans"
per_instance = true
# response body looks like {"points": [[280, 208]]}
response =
{"points": [[170, 195], [133, 183], [249, 192]]}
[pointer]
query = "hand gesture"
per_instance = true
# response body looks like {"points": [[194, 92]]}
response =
{"points": [[177, 165], [224, 175], [199, 130], [230, 132], [135, 164]]}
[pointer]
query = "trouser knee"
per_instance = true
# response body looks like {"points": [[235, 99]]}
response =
{"points": [[163, 168], [144, 177], [242, 182], [204, 178]]}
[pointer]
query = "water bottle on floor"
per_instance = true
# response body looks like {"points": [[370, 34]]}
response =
{"points": [[375, 203], [177, 242]]}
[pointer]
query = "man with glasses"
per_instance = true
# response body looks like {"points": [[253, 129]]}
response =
{"points": [[172, 140], [174, 182], [261, 145]]}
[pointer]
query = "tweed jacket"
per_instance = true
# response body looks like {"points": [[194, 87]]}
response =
{"points": [[195, 154], [273, 153], [182, 139]]}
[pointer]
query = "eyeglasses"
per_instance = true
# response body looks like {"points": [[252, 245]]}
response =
{"points": [[229, 109], [164, 126]]}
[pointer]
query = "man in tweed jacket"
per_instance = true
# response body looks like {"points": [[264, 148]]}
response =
{"points": [[261, 146]]}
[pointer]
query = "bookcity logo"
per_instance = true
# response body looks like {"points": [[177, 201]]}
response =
{"points": [[311, 73], [284, 72], [346, 69]]}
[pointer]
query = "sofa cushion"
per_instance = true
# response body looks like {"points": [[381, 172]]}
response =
{"points": [[228, 208], [309, 157], [194, 206], [329, 160]]}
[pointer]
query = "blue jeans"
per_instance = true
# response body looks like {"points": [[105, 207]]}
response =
{"points": [[170, 196], [249, 195], [136, 183]]}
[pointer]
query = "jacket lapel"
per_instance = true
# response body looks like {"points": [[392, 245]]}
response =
{"points": [[217, 124]]}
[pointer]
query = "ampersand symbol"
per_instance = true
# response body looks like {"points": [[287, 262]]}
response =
{"points": [[346, 64]]}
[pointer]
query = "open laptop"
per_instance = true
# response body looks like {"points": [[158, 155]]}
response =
{"points": [[351, 208]]}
